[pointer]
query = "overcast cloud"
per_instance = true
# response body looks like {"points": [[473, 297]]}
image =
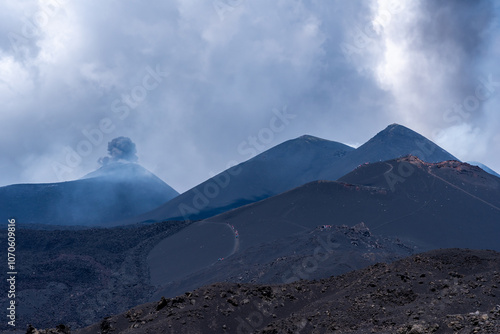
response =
{"points": [[189, 81]]}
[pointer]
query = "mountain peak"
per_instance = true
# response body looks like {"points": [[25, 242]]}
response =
{"points": [[309, 137], [127, 171], [398, 130], [120, 170], [306, 143], [393, 142], [116, 191], [395, 125]]}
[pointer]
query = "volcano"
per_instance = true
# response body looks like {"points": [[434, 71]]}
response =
{"points": [[393, 142], [276, 170], [289, 165], [437, 205], [114, 191]]}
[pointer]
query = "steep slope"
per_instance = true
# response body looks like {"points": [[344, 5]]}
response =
{"points": [[442, 291], [425, 205], [393, 142], [278, 169], [288, 165], [484, 167], [407, 175], [448, 204], [115, 191]]}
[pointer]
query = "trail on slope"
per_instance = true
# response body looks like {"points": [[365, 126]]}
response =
{"points": [[462, 190]]}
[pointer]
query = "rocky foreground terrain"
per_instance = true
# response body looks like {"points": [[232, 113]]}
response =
{"points": [[441, 291], [84, 276], [314, 254], [94, 273]]}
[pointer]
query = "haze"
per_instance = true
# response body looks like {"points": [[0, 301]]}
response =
{"points": [[200, 85]]}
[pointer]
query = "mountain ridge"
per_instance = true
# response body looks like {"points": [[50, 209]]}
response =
{"points": [[391, 205], [286, 166]]}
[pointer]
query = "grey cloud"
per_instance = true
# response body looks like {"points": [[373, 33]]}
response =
{"points": [[224, 79], [432, 57]]}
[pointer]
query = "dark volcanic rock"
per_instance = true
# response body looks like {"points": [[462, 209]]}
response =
{"points": [[442, 205], [319, 253], [442, 291], [60, 329], [78, 277]]}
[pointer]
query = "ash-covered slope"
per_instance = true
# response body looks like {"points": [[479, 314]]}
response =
{"points": [[470, 181], [278, 169], [442, 291], [318, 253], [288, 165], [447, 204], [115, 191], [484, 167], [425, 205]]}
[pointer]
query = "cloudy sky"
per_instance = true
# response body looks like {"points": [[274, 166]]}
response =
{"points": [[193, 82]]}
